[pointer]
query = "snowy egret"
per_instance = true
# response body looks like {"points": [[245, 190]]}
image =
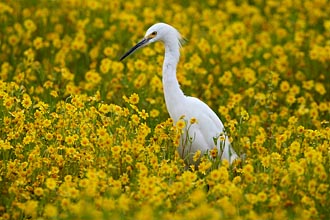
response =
{"points": [[208, 131]]}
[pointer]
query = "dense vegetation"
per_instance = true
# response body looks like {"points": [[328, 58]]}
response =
{"points": [[84, 136]]}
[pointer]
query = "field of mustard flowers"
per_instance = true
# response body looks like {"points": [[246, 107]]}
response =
{"points": [[84, 136]]}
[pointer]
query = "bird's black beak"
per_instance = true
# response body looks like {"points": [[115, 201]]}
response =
{"points": [[143, 42]]}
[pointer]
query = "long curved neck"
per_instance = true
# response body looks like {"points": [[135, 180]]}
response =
{"points": [[172, 92]]}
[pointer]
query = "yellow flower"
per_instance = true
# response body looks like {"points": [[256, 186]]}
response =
{"points": [[284, 86], [68, 178], [300, 129], [140, 81], [116, 151], [124, 179], [104, 108], [69, 140], [108, 204], [123, 203], [54, 93], [180, 124], [244, 115], [193, 120], [92, 77], [30, 25], [50, 211], [219, 175], [294, 148], [262, 196], [108, 51], [296, 168], [13, 40], [214, 153], [248, 168], [198, 196], [249, 76], [294, 90], [93, 54], [285, 181], [66, 74], [84, 141], [38, 191], [135, 119], [226, 79], [308, 85], [38, 43], [4, 8], [143, 114], [204, 166], [102, 132], [140, 65], [290, 98], [30, 208], [312, 186], [251, 198], [237, 180], [50, 183], [319, 88], [154, 113], [83, 183], [274, 200], [197, 155], [324, 106], [8, 102], [65, 203], [134, 99], [105, 65], [261, 98], [265, 161], [5, 145]]}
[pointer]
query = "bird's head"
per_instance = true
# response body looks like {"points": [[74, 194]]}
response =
{"points": [[157, 32]]}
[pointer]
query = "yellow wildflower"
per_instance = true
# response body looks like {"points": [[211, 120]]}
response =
{"points": [[134, 99], [50, 183], [38, 191], [180, 124], [50, 211], [193, 120]]}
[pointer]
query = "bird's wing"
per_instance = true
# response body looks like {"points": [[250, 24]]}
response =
{"points": [[209, 124], [208, 128], [202, 110]]}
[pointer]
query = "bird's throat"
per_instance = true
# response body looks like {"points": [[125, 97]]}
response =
{"points": [[172, 92]]}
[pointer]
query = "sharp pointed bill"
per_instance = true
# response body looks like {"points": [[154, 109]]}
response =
{"points": [[142, 43]]}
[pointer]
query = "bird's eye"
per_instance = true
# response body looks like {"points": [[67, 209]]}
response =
{"points": [[152, 35]]}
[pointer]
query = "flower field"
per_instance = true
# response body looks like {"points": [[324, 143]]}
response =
{"points": [[85, 136]]}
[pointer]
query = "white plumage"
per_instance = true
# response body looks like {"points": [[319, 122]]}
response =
{"points": [[208, 127]]}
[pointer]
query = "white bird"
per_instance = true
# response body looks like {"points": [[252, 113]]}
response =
{"points": [[208, 132]]}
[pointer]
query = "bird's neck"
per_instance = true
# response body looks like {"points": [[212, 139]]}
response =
{"points": [[171, 60], [172, 92]]}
